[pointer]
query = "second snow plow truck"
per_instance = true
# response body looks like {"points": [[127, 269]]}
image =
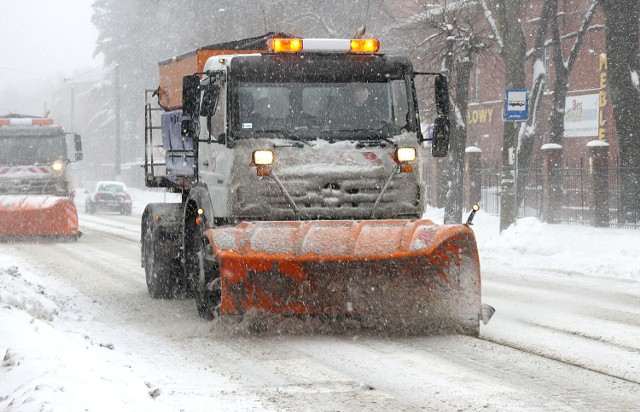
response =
{"points": [[302, 188], [36, 189]]}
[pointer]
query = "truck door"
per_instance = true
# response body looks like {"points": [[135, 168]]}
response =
{"points": [[213, 157]]}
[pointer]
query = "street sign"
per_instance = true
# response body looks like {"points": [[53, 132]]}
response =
{"points": [[516, 105]]}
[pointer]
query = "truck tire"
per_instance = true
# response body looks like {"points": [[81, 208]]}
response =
{"points": [[163, 270], [203, 269], [207, 290]]}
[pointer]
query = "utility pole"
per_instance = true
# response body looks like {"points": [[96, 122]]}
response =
{"points": [[73, 109], [117, 120]]}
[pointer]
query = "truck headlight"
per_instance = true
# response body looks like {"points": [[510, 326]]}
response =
{"points": [[263, 157], [406, 154], [57, 166]]}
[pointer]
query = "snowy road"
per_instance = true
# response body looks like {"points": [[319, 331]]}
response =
{"points": [[556, 342]]}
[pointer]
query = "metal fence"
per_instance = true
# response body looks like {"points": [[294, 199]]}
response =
{"points": [[617, 216], [576, 199], [531, 201], [574, 208]]}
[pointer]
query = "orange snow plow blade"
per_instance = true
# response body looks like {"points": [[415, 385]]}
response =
{"points": [[37, 215], [406, 272]]}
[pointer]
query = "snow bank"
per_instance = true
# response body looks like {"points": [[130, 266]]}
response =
{"points": [[562, 249], [47, 368]]}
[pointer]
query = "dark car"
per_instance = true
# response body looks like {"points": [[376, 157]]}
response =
{"points": [[108, 196]]}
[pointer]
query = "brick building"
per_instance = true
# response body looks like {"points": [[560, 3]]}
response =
{"points": [[588, 112]]}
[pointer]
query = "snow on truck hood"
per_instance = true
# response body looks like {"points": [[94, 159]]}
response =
{"points": [[321, 155]]}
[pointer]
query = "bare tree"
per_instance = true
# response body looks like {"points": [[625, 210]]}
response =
{"points": [[538, 85], [450, 35], [563, 69], [564, 66], [512, 47], [509, 29], [623, 55], [331, 18]]}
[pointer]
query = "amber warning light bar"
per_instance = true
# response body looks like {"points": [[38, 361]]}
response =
{"points": [[278, 45]]}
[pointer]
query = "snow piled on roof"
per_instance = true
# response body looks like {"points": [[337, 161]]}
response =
{"points": [[550, 146], [595, 143]]}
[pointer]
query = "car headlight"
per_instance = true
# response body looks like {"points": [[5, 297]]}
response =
{"points": [[406, 154], [57, 166], [263, 157]]}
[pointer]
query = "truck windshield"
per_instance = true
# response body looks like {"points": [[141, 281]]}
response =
{"points": [[326, 110], [31, 150]]}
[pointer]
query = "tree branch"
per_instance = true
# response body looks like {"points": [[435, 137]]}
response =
{"points": [[580, 34], [492, 24]]}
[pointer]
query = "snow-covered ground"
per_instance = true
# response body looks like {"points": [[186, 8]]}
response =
{"points": [[51, 360]]}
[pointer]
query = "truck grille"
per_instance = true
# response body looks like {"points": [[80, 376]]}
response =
{"points": [[29, 186], [334, 198]]}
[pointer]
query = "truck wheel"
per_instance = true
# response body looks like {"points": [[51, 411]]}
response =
{"points": [[204, 272], [158, 268]]}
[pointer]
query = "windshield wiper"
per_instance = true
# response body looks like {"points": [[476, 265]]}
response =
{"points": [[370, 142], [299, 139], [285, 134], [374, 134]]}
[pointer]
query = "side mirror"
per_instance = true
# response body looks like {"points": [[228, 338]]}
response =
{"points": [[442, 95], [221, 138], [210, 100], [77, 143], [190, 96], [73, 147], [190, 128], [440, 142]]}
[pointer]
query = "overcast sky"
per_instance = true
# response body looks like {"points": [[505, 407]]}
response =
{"points": [[41, 42]]}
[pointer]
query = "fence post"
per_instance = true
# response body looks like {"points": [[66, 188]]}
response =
{"points": [[441, 187], [473, 181], [434, 168], [551, 187], [599, 182]]}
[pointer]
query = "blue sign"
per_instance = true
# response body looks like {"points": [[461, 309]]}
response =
{"points": [[516, 105]]}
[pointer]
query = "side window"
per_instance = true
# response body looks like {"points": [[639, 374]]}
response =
{"points": [[400, 102], [216, 124]]}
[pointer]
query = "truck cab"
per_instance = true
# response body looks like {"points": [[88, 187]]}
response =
{"points": [[36, 189], [308, 129], [34, 155]]}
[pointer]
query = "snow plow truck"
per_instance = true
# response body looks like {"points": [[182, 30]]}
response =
{"points": [[36, 192], [299, 166]]}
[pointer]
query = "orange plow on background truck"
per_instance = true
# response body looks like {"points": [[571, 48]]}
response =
{"points": [[38, 215], [297, 198]]}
